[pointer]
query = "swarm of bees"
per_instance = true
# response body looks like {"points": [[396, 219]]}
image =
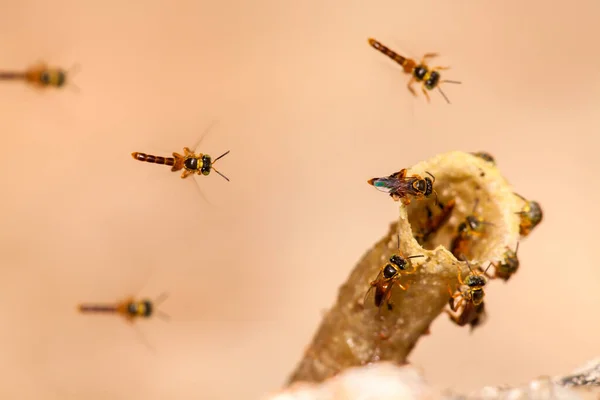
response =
{"points": [[466, 306]]}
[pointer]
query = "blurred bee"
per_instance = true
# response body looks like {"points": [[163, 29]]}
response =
{"points": [[531, 216], [470, 308], [400, 187], [42, 76], [130, 309], [190, 162], [434, 222], [421, 72], [486, 156], [470, 228], [508, 266], [397, 266]]}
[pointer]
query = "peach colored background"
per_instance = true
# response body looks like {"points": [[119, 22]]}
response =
{"points": [[310, 112]]}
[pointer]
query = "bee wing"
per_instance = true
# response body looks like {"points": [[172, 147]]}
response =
{"points": [[391, 185]]}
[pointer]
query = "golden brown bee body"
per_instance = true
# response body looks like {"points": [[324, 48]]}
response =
{"points": [[389, 275], [472, 227], [531, 216], [40, 75], [434, 222], [508, 266], [190, 162], [130, 309], [470, 305], [428, 77], [402, 187]]}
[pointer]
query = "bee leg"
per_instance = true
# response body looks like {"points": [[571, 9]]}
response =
{"points": [[440, 68], [405, 200], [427, 56], [410, 86], [185, 174], [426, 94]]}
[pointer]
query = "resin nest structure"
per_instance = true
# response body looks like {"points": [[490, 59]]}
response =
{"points": [[355, 332]]}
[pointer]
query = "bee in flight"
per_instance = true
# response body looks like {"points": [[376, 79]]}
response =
{"points": [[420, 72], [130, 309], [531, 215], [389, 275], [190, 162], [42, 76], [470, 307], [400, 187]]}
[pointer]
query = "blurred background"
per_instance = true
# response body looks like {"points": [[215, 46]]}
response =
{"points": [[310, 112]]}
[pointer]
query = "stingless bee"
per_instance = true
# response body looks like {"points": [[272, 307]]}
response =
{"points": [[389, 275], [401, 187], [531, 215], [470, 306], [42, 76], [420, 72], [508, 266], [434, 222], [129, 308], [470, 228]]}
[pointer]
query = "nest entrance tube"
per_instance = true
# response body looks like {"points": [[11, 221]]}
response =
{"points": [[355, 332]]}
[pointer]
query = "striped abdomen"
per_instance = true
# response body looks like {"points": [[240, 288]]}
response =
{"points": [[11, 75], [388, 52], [153, 159]]}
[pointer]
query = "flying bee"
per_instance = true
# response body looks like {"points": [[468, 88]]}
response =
{"points": [[130, 309], [531, 215], [42, 76], [508, 266], [400, 187], [470, 306], [434, 222], [389, 275], [470, 228], [420, 72], [190, 162], [485, 156]]}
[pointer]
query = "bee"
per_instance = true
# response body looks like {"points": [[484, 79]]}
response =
{"points": [[470, 306], [485, 156], [130, 309], [421, 72], [400, 187], [531, 215], [434, 222], [190, 162], [42, 76], [471, 227], [389, 275], [508, 266]]}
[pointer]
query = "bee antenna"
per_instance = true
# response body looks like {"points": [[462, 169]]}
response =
{"points": [[517, 248], [221, 156], [488, 267], [430, 174], [455, 82], [521, 197], [163, 315], [475, 205], [420, 255], [226, 178], [443, 94], [398, 240]]}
